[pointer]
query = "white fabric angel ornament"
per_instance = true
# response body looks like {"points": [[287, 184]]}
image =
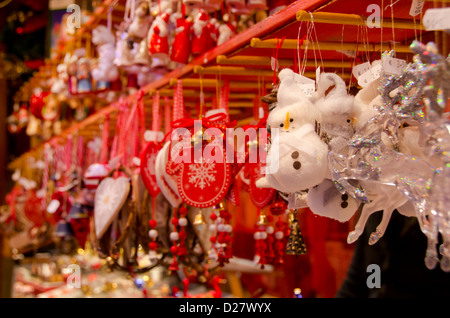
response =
{"points": [[132, 41], [226, 31]]}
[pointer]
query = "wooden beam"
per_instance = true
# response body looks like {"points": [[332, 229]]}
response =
{"points": [[230, 70], [266, 61], [354, 19], [291, 44]]}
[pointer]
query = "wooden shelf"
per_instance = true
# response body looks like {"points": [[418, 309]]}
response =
{"points": [[254, 47]]}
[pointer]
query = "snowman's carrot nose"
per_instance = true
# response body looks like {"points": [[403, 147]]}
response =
{"points": [[286, 121]]}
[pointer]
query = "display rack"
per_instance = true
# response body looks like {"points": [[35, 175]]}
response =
{"points": [[245, 59]]}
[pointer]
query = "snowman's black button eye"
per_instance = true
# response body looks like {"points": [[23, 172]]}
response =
{"points": [[348, 121], [291, 120], [281, 125]]}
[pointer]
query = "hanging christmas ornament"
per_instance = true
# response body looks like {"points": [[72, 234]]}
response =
{"points": [[150, 151], [199, 218], [33, 208], [110, 196], [105, 73], [84, 76], [181, 46], [148, 167], [79, 221], [296, 245], [220, 231], [37, 102], [204, 31], [297, 160], [94, 174], [158, 40], [226, 31], [72, 65], [193, 178]]}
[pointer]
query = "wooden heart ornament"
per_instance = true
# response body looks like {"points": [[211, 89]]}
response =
{"points": [[110, 196], [148, 168], [202, 184]]}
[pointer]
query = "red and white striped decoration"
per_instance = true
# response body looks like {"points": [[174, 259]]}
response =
{"points": [[80, 153], [105, 140], [68, 153], [156, 123], [167, 115], [141, 114], [45, 175], [178, 101]]}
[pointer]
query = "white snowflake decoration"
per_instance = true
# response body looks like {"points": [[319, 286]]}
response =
{"points": [[202, 174]]}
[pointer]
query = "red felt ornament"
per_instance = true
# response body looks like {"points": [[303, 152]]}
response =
{"points": [[181, 46]]}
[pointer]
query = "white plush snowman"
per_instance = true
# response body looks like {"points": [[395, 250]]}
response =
{"points": [[297, 159]]}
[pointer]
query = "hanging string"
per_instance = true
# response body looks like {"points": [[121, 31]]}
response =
{"points": [[297, 59], [421, 19], [202, 98], [353, 60], [366, 43], [305, 52], [415, 29], [317, 41], [277, 49], [437, 39], [342, 55], [224, 98], [381, 26], [392, 23]]}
